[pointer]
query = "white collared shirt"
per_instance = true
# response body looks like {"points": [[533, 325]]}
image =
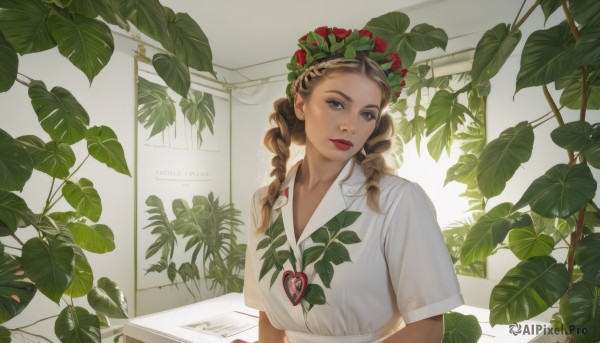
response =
{"points": [[400, 271]]}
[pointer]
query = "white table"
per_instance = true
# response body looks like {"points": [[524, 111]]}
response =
{"points": [[168, 326]]}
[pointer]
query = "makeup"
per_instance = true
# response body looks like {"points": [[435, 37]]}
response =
{"points": [[342, 144]]}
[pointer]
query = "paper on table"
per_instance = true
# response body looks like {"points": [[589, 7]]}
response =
{"points": [[224, 325]]}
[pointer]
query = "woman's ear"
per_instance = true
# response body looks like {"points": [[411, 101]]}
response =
{"points": [[299, 106]]}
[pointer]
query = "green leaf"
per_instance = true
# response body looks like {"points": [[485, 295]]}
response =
{"points": [[9, 64], [342, 220], [84, 198], [4, 335], [16, 165], [52, 158], [321, 235], [580, 309], [425, 37], [312, 254], [59, 113], [460, 328], [104, 146], [587, 257], [527, 290], [587, 45], [489, 231], [14, 212], [25, 25], [109, 10], [572, 136], [16, 291], [348, 237], [585, 11], [492, 51], [560, 192], [547, 56], [314, 295], [337, 253], [444, 115], [155, 107], [502, 157], [188, 42], [148, 16], [49, 265], [571, 95], [392, 28], [199, 110], [525, 243], [549, 6], [175, 74], [87, 43], [97, 238], [83, 278], [108, 299], [464, 171], [76, 324], [324, 269]]}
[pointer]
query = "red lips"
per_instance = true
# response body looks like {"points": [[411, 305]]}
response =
{"points": [[342, 144]]}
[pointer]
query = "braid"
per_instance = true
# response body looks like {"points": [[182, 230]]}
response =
{"points": [[372, 160], [277, 140], [304, 82]]}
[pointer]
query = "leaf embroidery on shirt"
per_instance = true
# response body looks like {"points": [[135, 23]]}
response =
{"points": [[330, 251]]}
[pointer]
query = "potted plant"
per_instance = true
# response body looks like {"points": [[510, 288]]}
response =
{"points": [[54, 261]]}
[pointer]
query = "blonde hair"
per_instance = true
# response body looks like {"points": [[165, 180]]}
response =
{"points": [[289, 129]]}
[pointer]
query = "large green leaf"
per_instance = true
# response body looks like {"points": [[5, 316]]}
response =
{"points": [[9, 64], [25, 25], [87, 43], [489, 231], [104, 146], [460, 328], [464, 171], [560, 192], [549, 6], [52, 158], [188, 42], [547, 55], [97, 238], [59, 113], [492, 51], [392, 28], [108, 299], [587, 45], [175, 74], [15, 290], [84, 198], [525, 243], [425, 37], [49, 265], [107, 9], [572, 136], [444, 115], [76, 324], [16, 165], [527, 290], [83, 278], [587, 257], [592, 151], [14, 212], [580, 310], [502, 157], [148, 16], [156, 109], [585, 11]]}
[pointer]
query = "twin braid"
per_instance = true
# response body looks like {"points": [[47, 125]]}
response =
{"points": [[317, 71]]}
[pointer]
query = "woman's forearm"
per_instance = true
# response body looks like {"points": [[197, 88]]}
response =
{"points": [[429, 330], [267, 333]]}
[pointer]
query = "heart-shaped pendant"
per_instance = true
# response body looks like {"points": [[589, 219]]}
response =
{"points": [[295, 285]]}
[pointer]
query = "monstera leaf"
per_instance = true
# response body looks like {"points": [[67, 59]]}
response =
{"points": [[527, 290], [173, 72], [148, 16], [76, 324], [16, 165], [9, 65], [492, 51], [108, 299], [460, 328], [25, 25], [199, 110], [96, 238], [444, 115], [14, 212], [103, 145], [84, 198], [489, 231], [16, 291], [52, 158], [155, 108]]}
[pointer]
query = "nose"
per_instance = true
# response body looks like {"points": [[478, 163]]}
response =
{"points": [[349, 123]]}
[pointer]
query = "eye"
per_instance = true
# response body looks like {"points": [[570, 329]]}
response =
{"points": [[369, 116], [335, 104]]}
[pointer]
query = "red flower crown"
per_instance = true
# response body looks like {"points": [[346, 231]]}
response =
{"points": [[325, 42]]}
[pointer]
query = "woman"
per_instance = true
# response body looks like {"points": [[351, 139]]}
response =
{"points": [[360, 246]]}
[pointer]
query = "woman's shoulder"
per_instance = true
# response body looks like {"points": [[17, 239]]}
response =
{"points": [[394, 187]]}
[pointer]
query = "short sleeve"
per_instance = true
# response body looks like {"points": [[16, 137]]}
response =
{"points": [[419, 265], [252, 296]]}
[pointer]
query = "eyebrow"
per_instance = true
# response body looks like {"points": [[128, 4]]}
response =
{"points": [[349, 99]]}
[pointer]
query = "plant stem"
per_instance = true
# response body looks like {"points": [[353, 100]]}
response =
{"points": [[575, 238], [32, 324], [519, 13], [25, 76], [570, 21], [22, 82], [12, 234], [50, 192], [557, 115], [585, 92], [34, 335], [526, 15], [47, 209]]}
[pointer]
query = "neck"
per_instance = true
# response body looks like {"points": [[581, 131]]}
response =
{"points": [[314, 175]]}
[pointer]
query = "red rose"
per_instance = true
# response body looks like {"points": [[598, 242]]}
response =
{"points": [[303, 38], [301, 57], [403, 84], [380, 45], [403, 72], [396, 61], [341, 33], [398, 94], [322, 31], [365, 33]]}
